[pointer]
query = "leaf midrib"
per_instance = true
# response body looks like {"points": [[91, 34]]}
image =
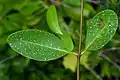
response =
{"points": [[95, 38], [46, 46]]}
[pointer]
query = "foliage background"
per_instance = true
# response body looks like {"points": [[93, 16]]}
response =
{"points": [[17, 15]]}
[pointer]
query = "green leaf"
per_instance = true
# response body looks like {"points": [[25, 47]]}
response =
{"points": [[67, 41], [72, 2], [84, 59], [37, 45], [70, 62], [101, 29], [114, 1], [34, 20], [10, 26], [105, 70], [20, 63], [52, 20], [30, 8], [4, 77], [3, 40], [1, 7], [17, 18], [72, 59], [74, 12], [2, 30]]}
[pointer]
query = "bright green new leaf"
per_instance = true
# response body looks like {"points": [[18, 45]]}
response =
{"points": [[67, 41], [37, 45], [70, 62], [101, 29], [52, 20], [84, 59]]}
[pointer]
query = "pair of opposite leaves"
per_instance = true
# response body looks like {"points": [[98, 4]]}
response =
{"points": [[43, 46]]}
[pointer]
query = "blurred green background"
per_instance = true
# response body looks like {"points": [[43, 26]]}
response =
{"points": [[17, 15]]}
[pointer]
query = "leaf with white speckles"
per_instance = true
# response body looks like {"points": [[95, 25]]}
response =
{"points": [[37, 45], [52, 20], [101, 29]]}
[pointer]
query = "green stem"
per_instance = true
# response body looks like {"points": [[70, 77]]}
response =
{"points": [[78, 67], [80, 40], [7, 59]]}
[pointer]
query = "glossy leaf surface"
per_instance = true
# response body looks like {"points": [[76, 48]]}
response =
{"points": [[52, 20], [101, 29], [37, 45]]}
